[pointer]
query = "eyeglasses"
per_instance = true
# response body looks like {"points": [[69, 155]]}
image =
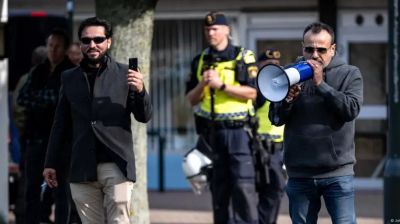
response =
{"points": [[320, 50], [96, 40]]}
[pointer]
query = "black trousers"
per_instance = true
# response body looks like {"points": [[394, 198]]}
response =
{"points": [[233, 178], [35, 211], [270, 194]]}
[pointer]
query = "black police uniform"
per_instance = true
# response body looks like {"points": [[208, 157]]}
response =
{"points": [[270, 192], [233, 176]]}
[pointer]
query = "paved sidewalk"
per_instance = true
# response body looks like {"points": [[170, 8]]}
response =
{"points": [[183, 207]]}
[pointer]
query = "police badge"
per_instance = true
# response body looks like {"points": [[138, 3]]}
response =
{"points": [[210, 19]]}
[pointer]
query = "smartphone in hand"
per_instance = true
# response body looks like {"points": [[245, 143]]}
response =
{"points": [[133, 64]]}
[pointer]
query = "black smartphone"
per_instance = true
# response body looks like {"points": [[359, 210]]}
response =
{"points": [[133, 64]]}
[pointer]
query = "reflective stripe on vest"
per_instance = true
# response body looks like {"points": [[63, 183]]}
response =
{"points": [[225, 106], [265, 126]]}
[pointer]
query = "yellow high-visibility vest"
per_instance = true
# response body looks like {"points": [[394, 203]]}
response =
{"points": [[225, 106], [265, 126]]}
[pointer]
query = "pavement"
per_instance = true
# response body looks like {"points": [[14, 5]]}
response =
{"points": [[184, 207]]}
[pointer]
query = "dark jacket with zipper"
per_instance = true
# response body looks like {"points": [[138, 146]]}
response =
{"points": [[319, 124], [105, 117]]}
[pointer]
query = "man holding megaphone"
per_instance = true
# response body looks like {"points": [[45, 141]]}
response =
{"points": [[319, 119]]}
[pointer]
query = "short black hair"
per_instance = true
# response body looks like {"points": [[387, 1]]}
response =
{"points": [[60, 33], [316, 27], [95, 21]]}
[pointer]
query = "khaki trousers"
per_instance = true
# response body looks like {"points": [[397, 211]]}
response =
{"points": [[107, 200]]}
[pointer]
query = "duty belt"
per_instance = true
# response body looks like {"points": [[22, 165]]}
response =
{"points": [[227, 124]]}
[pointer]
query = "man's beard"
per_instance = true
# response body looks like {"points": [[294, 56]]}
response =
{"points": [[95, 61]]}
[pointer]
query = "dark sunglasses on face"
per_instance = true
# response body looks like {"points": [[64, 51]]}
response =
{"points": [[96, 40], [320, 50]]}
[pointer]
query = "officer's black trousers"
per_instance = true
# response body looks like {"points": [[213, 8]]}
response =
{"points": [[270, 194], [233, 178]]}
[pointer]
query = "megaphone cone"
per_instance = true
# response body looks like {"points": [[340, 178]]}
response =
{"points": [[274, 82]]}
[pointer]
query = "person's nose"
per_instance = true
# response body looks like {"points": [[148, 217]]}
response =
{"points": [[92, 44], [210, 32], [315, 54]]}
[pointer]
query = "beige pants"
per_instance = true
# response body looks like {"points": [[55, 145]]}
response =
{"points": [[108, 200]]}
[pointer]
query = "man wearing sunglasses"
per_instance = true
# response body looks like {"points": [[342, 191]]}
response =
{"points": [[94, 113], [319, 131]]}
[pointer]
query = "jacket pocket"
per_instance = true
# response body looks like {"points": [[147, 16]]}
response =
{"points": [[309, 151]]}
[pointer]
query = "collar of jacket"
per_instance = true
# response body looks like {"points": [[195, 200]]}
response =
{"points": [[107, 62]]}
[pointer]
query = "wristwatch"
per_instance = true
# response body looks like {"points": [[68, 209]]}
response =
{"points": [[222, 87]]}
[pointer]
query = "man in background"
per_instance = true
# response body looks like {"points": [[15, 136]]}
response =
{"points": [[39, 97], [74, 53], [270, 191], [39, 54]]}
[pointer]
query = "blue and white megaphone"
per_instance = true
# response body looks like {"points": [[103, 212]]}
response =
{"points": [[274, 82]]}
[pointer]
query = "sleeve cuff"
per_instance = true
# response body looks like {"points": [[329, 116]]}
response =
{"points": [[141, 94]]}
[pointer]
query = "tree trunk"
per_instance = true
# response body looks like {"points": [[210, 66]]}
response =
{"points": [[132, 22]]}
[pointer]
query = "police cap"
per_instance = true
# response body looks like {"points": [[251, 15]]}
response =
{"points": [[215, 18], [269, 54]]}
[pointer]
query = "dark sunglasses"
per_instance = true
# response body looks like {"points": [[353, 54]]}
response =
{"points": [[96, 40], [320, 50]]}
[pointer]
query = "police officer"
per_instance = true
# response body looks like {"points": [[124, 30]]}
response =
{"points": [[270, 192], [221, 89]]}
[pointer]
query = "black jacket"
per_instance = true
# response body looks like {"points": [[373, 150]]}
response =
{"points": [[39, 97], [79, 119]]}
